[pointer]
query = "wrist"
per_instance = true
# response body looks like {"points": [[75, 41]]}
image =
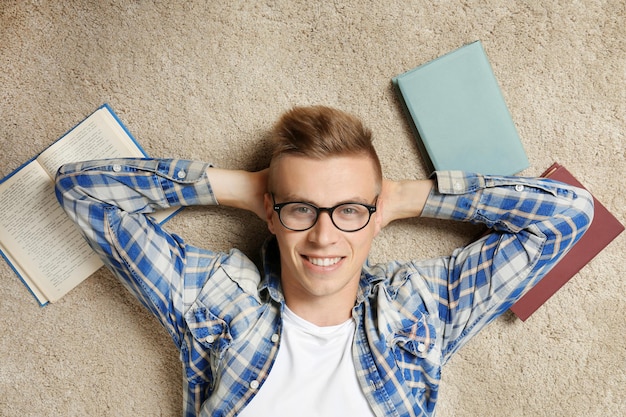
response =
{"points": [[239, 189], [404, 199]]}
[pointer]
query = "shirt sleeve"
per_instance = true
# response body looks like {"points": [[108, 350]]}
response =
{"points": [[532, 223], [111, 201]]}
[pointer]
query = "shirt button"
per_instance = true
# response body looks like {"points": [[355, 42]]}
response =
{"points": [[275, 338], [210, 339], [421, 347], [254, 384], [457, 186], [181, 174], [519, 188], [117, 168]]}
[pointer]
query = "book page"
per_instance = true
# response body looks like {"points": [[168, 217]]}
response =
{"points": [[23, 276], [97, 137], [39, 239], [100, 136]]}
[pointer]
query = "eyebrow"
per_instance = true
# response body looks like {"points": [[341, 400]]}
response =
{"points": [[296, 198]]}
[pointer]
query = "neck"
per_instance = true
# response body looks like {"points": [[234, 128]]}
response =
{"points": [[321, 315], [322, 310]]}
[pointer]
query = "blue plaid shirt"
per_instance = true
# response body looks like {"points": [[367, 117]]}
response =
{"points": [[224, 313]]}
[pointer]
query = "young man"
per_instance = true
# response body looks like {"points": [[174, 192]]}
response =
{"points": [[316, 330]]}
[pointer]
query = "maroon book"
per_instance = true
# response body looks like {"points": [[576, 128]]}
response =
{"points": [[603, 229]]}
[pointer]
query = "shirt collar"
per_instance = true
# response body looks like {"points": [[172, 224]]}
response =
{"points": [[270, 283]]}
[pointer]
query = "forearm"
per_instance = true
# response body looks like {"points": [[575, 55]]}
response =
{"points": [[142, 186], [134, 185], [508, 204], [532, 210]]}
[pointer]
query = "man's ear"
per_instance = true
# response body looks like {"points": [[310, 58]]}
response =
{"points": [[269, 213]]}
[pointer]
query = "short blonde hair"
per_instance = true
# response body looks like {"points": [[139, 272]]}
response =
{"points": [[320, 132]]}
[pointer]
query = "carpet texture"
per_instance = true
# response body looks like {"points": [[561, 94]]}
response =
{"points": [[206, 80]]}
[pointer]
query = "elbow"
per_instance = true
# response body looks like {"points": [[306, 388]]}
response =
{"points": [[59, 177], [586, 205], [60, 187], [567, 227], [64, 185], [67, 168], [581, 213]]}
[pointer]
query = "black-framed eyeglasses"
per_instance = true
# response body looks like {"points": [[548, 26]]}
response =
{"points": [[299, 216]]}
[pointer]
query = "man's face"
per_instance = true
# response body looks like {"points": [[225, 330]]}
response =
{"points": [[323, 262]]}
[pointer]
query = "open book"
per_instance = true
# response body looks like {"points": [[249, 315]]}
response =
{"points": [[37, 239]]}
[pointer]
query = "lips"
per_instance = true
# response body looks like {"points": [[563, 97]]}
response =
{"points": [[324, 261]]}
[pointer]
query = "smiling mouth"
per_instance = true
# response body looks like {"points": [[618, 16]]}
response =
{"points": [[324, 261]]}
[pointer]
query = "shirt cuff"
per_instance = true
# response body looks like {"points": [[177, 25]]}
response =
{"points": [[454, 195], [185, 182]]}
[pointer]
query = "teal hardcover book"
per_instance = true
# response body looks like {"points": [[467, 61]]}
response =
{"points": [[459, 115]]}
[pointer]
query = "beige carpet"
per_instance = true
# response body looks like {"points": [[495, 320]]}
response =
{"points": [[206, 79]]}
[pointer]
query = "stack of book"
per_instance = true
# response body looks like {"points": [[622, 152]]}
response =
{"points": [[461, 122]]}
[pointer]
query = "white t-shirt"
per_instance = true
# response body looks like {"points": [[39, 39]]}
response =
{"points": [[313, 374]]}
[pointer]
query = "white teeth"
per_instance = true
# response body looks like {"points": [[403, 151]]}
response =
{"points": [[324, 261]]}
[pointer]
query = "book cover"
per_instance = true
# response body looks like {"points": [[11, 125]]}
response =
{"points": [[458, 113], [603, 229]]}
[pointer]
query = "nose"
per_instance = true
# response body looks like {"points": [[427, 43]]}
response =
{"points": [[324, 231]]}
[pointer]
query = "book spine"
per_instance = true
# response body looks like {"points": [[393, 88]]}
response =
{"points": [[430, 167]]}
